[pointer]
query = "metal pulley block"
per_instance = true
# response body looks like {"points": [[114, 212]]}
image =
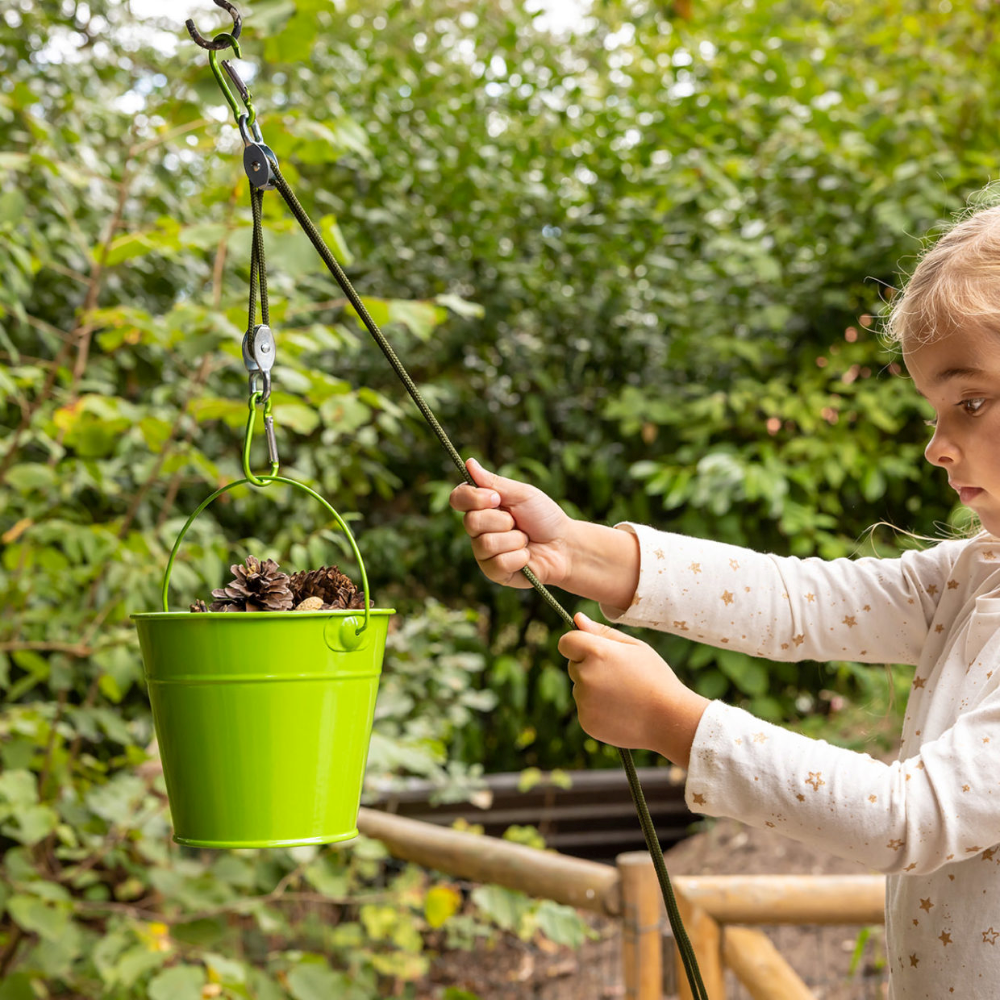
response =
{"points": [[257, 157], [258, 359], [258, 349]]}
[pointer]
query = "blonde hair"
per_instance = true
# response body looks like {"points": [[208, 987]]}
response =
{"points": [[956, 281]]}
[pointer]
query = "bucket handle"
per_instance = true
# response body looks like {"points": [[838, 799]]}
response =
{"points": [[263, 480]]}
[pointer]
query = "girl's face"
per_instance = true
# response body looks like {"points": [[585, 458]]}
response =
{"points": [[959, 375]]}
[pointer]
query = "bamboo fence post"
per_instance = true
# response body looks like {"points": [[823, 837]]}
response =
{"points": [[642, 927], [706, 939], [758, 965]]}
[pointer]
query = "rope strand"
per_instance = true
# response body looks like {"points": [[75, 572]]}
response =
{"points": [[688, 958]]}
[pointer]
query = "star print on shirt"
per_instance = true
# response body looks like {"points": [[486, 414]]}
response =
{"points": [[815, 780], [919, 682], [990, 936], [734, 564], [952, 584], [926, 904], [932, 589], [914, 961], [810, 598], [727, 597], [798, 639], [698, 799], [849, 621], [695, 567], [945, 939]]}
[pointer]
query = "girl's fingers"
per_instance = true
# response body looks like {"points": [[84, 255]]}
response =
{"points": [[466, 498], [483, 522], [497, 543]]}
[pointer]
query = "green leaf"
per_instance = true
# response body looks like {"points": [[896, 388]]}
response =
{"points": [[182, 982], [17, 986], [746, 672], [314, 981], [116, 800], [49, 921], [562, 924], [505, 907]]}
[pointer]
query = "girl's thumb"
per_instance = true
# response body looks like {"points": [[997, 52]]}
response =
{"points": [[586, 624]]}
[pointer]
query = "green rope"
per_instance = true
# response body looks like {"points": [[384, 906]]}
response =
{"points": [[639, 800]]}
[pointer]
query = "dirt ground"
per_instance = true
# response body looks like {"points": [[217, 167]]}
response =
{"points": [[823, 957]]}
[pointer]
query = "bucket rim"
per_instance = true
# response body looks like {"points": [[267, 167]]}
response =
{"points": [[269, 615]]}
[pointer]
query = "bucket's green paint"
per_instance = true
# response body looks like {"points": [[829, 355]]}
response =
{"points": [[263, 719], [263, 722]]}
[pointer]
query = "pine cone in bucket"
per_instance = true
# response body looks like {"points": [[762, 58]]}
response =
{"points": [[255, 586], [336, 590]]}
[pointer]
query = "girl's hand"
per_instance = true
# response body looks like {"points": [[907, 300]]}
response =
{"points": [[627, 695], [511, 525]]}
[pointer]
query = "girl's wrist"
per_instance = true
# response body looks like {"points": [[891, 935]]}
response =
{"points": [[602, 563], [678, 725]]}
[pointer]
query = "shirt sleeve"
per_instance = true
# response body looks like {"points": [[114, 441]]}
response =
{"points": [[914, 815], [867, 610]]}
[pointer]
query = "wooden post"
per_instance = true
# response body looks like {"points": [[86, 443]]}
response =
{"points": [[642, 927], [758, 965], [706, 940]]}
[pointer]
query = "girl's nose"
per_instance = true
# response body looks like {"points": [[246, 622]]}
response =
{"points": [[941, 450]]}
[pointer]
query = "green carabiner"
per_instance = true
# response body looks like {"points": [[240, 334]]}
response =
{"points": [[213, 61], [248, 439]]}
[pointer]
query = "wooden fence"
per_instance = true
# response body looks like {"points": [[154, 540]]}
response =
{"points": [[717, 909]]}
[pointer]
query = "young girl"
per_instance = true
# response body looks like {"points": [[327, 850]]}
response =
{"points": [[931, 820]]}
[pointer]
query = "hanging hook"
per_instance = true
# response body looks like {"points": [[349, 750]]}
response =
{"points": [[225, 38], [220, 41]]}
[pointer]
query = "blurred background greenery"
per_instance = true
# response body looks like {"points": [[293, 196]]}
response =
{"points": [[638, 262]]}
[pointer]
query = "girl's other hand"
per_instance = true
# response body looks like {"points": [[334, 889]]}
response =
{"points": [[626, 693], [513, 525]]}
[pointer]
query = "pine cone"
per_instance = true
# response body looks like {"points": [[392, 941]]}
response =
{"points": [[198, 605], [255, 586], [336, 590]]}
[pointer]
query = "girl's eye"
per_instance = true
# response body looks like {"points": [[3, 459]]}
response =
{"points": [[972, 405]]}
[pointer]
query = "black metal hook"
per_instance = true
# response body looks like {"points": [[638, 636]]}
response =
{"points": [[223, 40]]}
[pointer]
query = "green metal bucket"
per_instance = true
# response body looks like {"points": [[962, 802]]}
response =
{"points": [[263, 719]]}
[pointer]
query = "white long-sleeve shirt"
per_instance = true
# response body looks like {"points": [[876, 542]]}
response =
{"points": [[931, 820]]}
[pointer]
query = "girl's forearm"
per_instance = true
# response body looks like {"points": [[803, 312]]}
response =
{"points": [[604, 564]]}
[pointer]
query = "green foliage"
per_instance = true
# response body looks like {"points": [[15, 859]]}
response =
{"points": [[634, 266]]}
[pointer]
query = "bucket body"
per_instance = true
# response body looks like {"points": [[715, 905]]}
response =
{"points": [[263, 721]]}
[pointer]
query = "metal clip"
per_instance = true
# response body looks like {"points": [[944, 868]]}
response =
{"points": [[258, 159], [272, 444]]}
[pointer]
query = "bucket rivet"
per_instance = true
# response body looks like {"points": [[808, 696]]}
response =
{"points": [[350, 638]]}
